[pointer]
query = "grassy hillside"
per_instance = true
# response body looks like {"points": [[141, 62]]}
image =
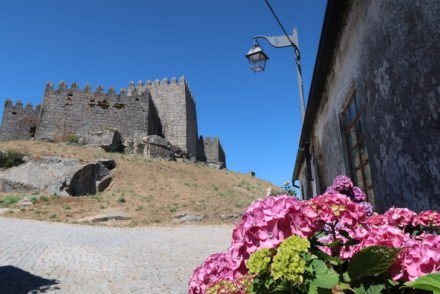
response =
{"points": [[149, 191]]}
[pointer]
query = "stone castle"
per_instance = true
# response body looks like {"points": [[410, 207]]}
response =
{"points": [[163, 108]]}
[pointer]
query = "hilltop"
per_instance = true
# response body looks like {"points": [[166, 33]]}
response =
{"points": [[149, 191]]}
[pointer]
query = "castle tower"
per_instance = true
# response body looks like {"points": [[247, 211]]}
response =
{"points": [[18, 122], [211, 151], [177, 112]]}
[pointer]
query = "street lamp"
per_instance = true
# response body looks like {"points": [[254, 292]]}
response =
{"points": [[257, 58]]}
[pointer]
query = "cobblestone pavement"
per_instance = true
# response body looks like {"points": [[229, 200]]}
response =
{"points": [[49, 257]]}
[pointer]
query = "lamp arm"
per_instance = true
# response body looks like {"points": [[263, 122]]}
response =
{"points": [[281, 42]]}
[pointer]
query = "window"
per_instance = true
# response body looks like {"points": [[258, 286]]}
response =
{"points": [[357, 150]]}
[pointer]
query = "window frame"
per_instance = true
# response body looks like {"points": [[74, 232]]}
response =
{"points": [[350, 122]]}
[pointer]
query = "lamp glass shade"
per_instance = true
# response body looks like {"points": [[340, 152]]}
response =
{"points": [[257, 58]]}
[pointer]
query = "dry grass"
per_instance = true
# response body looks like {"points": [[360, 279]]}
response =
{"points": [[149, 191]]}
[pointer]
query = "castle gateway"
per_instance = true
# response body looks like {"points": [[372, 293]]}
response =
{"points": [[164, 108]]}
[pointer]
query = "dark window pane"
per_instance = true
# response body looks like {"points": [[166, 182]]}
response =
{"points": [[352, 138], [359, 128], [363, 151], [359, 179], [355, 160]]}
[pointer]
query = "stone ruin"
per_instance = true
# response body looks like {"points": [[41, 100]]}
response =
{"points": [[155, 119]]}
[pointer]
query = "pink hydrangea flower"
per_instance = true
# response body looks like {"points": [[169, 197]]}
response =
{"points": [[268, 222], [338, 209], [377, 220], [429, 218], [420, 257], [385, 235], [341, 184], [400, 217], [218, 266]]}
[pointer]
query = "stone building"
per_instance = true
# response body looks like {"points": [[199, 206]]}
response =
{"points": [[373, 111], [163, 108]]}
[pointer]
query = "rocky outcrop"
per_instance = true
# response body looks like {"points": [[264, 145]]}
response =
{"points": [[154, 146], [109, 140], [58, 176]]}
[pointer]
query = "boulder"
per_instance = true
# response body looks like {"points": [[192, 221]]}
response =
{"points": [[109, 140], [111, 216], [57, 176], [153, 146], [188, 218]]}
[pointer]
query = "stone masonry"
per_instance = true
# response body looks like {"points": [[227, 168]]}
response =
{"points": [[18, 122], [165, 108]]}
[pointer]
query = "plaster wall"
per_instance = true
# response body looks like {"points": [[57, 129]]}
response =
{"points": [[387, 54]]}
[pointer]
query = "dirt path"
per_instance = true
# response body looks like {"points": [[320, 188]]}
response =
{"points": [[62, 258]]}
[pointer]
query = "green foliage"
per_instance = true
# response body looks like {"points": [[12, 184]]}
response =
{"points": [[121, 199], [324, 277], [10, 159], [288, 189], [429, 282], [9, 200], [370, 289], [373, 260], [73, 138]]}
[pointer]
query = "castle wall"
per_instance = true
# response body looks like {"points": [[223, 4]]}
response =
{"points": [[177, 112], [212, 150], [18, 122], [70, 110]]}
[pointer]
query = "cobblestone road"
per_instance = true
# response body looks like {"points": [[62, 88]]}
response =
{"points": [[62, 258]]}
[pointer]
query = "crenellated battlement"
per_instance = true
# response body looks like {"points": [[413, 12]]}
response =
{"points": [[63, 90], [18, 107]]}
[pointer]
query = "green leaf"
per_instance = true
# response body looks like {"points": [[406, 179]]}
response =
{"points": [[429, 282], [373, 289], [345, 234], [373, 260], [324, 256], [325, 277], [333, 244], [282, 288]]}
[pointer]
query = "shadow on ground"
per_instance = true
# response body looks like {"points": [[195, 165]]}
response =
{"points": [[17, 281]]}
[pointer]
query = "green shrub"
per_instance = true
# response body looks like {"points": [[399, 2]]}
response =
{"points": [[9, 200], [73, 138], [9, 159]]}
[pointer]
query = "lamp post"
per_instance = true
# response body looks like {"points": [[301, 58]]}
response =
{"points": [[257, 57]]}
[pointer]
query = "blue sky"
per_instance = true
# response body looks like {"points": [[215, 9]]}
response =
{"points": [[109, 43]]}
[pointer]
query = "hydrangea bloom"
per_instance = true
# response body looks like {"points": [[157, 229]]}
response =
{"points": [[339, 214], [385, 235], [238, 286], [420, 257], [427, 218], [268, 222], [341, 184], [400, 217], [288, 263], [259, 261], [338, 209], [217, 266]]}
